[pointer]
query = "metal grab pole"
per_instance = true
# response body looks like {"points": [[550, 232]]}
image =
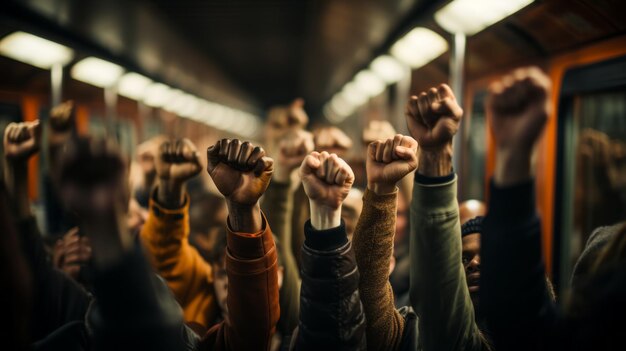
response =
{"points": [[457, 66], [56, 84]]}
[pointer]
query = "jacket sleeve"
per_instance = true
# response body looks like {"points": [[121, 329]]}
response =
{"points": [[57, 298], [251, 266], [331, 313], [373, 247], [166, 238], [439, 292], [277, 204], [514, 296]]}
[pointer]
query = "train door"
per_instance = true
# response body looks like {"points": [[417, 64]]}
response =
{"points": [[591, 158]]}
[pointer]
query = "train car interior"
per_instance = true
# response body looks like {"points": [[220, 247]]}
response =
{"points": [[211, 69]]}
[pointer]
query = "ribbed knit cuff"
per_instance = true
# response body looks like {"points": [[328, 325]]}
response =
{"points": [[425, 180], [325, 240]]}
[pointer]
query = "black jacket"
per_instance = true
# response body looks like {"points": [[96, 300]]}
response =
{"points": [[331, 313]]}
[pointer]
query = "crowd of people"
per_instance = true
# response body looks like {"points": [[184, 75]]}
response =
{"points": [[300, 248]]}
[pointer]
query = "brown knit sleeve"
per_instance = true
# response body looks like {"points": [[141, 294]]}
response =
{"points": [[373, 247]]}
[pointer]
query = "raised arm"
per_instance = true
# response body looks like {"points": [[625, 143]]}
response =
{"points": [[388, 162], [331, 314], [57, 299], [514, 296], [242, 173], [166, 233], [277, 204], [133, 309], [438, 289]]}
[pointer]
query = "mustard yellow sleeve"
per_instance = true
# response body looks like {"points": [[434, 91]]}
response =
{"points": [[166, 238]]}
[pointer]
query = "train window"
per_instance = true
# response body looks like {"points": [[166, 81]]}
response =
{"points": [[591, 179], [475, 149]]}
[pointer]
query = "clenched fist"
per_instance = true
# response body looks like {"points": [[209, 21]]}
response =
{"points": [[61, 122], [21, 140], [93, 177], [518, 107], [390, 161], [293, 149], [433, 118], [327, 180], [177, 161], [240, 171], [332, 140]]}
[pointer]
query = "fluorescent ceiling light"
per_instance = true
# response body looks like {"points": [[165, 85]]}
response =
{"points": [[157, 95], [419, 47], [341, 106], [388, 69], [97, 72], [472, 16], [133, 85], [369, 83], [175, 101], [353, 95], [34, 50], [190, 106]]}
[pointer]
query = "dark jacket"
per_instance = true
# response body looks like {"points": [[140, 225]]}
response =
{"points": [[331, 313], [513, 294]]}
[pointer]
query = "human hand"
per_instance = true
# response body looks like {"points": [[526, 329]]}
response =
{"points": [[293, 149], [390, 161], [377, 130], [327, 180], [332, 140], [176, 163], [518, 107], [72, 252], [61, 122], [21, 140]]}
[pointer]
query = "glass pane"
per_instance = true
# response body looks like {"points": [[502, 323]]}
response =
{"points": [[599, 192]]}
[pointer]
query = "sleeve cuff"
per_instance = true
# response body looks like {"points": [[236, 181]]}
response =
{"points": [[248, 246], [425, 180], [325, 240]]}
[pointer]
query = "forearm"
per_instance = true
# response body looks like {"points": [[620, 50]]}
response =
{"points": [[438, 289], [171, 194], [373, 247], [435, 163], [251, 265], [16, 179]]}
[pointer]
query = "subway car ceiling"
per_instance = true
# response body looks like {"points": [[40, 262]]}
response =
{"points": [[252, 54]]}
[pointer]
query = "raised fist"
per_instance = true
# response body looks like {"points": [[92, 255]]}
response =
{"points": [[93, 177], [62, 116], [327, 179], [293, 148], [390, 161], [21, 140], [283, 119], [240, 171], [177, 161], [378, 130], [518, 107], [433, 118], [72, 252], [332, 140]]}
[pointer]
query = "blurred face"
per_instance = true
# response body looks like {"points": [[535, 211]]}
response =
{"points": [[471, 263]]}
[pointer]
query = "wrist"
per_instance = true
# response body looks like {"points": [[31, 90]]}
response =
{"points": [[512, 167], [381, 188], [170, 193], [436, 163], [244, 218], [324, 217]]}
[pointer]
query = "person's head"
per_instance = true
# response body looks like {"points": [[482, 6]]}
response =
{"points": [[207, 216], [471, 231], [217, 259]]}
